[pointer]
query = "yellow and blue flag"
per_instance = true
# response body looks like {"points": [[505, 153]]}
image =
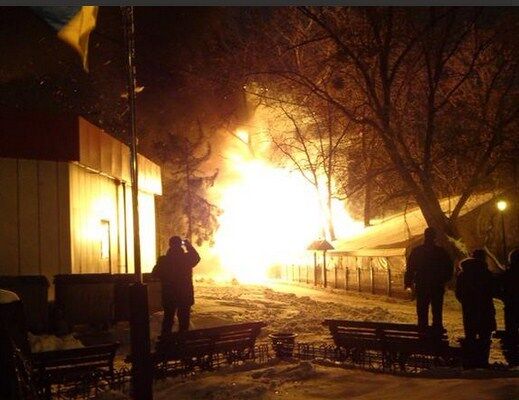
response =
{"points": [[73, 24]]}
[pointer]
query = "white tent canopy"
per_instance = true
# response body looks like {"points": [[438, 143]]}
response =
{"points": [[397, 233]]}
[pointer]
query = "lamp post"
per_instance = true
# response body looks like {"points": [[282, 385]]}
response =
{"points": [[502, 205]]}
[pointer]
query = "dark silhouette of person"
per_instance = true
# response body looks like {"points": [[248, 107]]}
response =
{"points": [[175, 271], [14, 343], [510, 297], [474, 290], [429, 268]]}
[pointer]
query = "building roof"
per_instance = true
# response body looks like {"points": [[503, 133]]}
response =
{"points": [[395, 234], [71, 138]]}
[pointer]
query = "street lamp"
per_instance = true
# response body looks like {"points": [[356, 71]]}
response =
{"points": [[502, 205]]}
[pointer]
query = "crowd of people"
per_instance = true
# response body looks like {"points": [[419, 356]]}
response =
{"points": [[429, 268]]}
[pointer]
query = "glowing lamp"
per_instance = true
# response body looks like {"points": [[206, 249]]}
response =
{"points": [[502, 205]]}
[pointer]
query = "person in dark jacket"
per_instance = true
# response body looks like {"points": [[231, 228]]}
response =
{"points": [[474, 290], [175, 271], [510, 297], [429, 268]]}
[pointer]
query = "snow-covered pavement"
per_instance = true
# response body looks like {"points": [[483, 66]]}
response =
{"points": [[310, 381]]}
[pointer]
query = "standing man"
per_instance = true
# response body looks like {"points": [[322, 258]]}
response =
{"points": [[429, 268], [511, 296], [510, 283], [474, 285], [175, 271]]}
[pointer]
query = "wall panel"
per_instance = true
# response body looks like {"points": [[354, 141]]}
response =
{"points": [[65, 245], [93, 199], [48, 217], [29, 223], [9, 250]]}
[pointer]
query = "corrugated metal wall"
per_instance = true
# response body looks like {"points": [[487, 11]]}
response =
{"points": [[95, 198], [53, 213], [102, 152], [34, 215], [147, 230]]}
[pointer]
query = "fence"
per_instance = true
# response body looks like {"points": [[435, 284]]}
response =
{"points": [[376, 275], [100, 298], [33, 291], [79, 298]]}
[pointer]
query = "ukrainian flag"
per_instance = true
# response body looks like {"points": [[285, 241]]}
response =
{"points": [[73, 24]]}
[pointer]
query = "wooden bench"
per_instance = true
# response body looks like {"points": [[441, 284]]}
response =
{"points": [[74, 366], [200, 347], [396, 343]]}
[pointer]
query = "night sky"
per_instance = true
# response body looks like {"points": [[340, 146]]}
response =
{"points": [[174, 48]]}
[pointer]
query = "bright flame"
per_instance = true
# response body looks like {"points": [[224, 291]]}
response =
{"points": [[270, 216], [243, 135]]}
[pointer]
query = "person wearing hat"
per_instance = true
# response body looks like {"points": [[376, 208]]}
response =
{"points": [[175, 272], [429, 268], [474, 290]]}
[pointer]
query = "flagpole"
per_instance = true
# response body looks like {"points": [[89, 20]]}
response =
{"points": [[134, 172], [142, 379]]}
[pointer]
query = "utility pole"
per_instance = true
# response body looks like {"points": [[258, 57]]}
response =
{"points": [[142, 378]]}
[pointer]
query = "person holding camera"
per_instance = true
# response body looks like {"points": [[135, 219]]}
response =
{"points": [[175, 272]]}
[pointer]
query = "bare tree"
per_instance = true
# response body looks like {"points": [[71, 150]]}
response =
{"points": [[311, 144], [437, 87]]}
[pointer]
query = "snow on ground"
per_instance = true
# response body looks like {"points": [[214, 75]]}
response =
{"points": [[310, 381], [301, 310], [6, 297], [314, 381], [41, 343], [283, 308]]}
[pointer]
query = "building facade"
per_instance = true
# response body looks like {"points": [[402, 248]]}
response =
{"points": [[65, 198]]}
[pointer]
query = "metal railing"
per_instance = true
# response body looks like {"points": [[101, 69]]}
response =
{"points": [[365, 279], [92, 384]]}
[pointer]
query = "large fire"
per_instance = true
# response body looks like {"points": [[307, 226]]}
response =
{"points": [[270, 216]]}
